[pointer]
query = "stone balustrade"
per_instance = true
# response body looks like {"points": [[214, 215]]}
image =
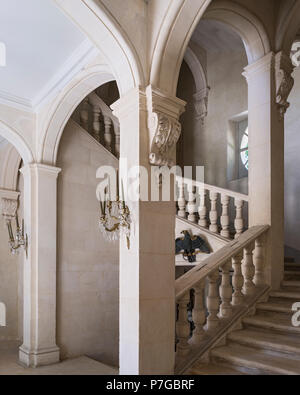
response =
{"points": [[97, 118], [214, 297], [220, 210]]}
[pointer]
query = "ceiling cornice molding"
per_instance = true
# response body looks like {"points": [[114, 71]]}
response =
{"points": [[83, 54]]}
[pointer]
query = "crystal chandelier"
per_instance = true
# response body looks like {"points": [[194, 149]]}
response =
{"points": [[114, 216]]}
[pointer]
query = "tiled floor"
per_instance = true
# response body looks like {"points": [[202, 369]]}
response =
{"points": [[75, 367]]}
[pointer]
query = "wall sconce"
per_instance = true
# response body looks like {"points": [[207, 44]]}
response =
{"points": [[115, 216], [19, 240]]}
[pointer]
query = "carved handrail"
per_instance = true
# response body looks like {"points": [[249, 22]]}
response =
{"points": [[219, 216], [215, 296], [215, 261]]}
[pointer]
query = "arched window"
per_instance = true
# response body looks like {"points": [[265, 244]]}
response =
{"points": [[244, 150]]}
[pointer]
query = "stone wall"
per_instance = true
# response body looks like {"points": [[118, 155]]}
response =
{"points": [[88, 266]]}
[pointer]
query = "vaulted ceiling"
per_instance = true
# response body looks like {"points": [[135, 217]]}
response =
{"points": [[43, 49]]}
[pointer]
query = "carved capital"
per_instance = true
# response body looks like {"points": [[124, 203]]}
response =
{"points": [[200, 100], [166, 131], [164, 127], [284, 82], [9, 208]]}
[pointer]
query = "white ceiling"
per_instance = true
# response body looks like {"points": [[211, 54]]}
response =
{"points": [[215, 36], [44, 49]]}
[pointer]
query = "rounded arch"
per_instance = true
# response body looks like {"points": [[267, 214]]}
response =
{"points": [[15, 138], [166, 72], [288, 26], [108, 35], [9, 169], [245, 24], [197, 69], [64, 107]]}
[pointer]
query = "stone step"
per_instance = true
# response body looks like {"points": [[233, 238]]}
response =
{"points": [[278, 322], [292, 275], [276, 305], [210, 369], [292, 266], [291, 284], [266, 341], [287, 294], [258, 360]]}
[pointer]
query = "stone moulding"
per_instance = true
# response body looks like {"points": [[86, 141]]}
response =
{"points": [[284, 82]]}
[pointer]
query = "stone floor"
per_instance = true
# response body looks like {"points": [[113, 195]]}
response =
{"points": [[74, 367]]}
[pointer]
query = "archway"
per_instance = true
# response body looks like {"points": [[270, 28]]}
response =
{"points": [[165, 73]]}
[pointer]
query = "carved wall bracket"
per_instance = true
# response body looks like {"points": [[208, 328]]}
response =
{"points": [[163, 125], [9, 208], [166, 133], [284, 82], [200, 100]]}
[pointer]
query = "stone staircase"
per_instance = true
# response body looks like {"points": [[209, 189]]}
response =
{"points": [[268, 343]]}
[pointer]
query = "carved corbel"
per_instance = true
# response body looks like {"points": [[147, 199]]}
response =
{"points": [[166, 131], [200, 100], [284, 82], [9, 208], [163, 125]]}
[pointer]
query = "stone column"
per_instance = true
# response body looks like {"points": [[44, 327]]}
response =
{"points": [[149, 133], [40, 212], [269, 82]]}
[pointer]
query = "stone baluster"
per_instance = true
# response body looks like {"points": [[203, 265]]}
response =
{"points": [[183, 326], [96, 123], [107, 133], [225, 216], [226, 291], [117, 141], [248, 271], [181, 200], [202, 209], [191, 206], [213, 301], [259, 278], [237, 280], [84, 114], [199, 316], [239, 222], [213, 215]]}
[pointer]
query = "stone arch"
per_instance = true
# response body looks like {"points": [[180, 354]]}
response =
{"points": [[245, 24], [102, 28], [197, 69], [288, 26], [64, 107], [165, 73], [15, 138], [9, 169]]}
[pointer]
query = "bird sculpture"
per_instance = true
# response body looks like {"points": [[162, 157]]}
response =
{"points": [[189, 245]]}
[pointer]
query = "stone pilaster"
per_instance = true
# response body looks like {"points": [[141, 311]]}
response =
{"points": [[149, 132], [40, 211], [269, 83]]}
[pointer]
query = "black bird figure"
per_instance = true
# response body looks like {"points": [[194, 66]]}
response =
{"points": [[189, 245]]}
